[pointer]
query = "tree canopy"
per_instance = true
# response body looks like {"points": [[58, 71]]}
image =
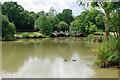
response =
{"points": [[8, 29], [66, 16]]}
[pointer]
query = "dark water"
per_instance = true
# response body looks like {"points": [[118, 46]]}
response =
{"points": [[44, 58]]}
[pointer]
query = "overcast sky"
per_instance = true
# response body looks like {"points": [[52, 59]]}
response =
{"points": [[58, 5]]}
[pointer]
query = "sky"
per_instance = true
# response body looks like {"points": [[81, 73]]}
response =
{"points": [[58, 5]]}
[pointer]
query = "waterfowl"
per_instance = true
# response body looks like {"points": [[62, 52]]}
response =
{"points": [[73, 60], [65, 60]]}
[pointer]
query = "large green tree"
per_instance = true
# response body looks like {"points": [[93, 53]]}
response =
{"points": [[41, 13], [44, 24], [22, 19], [107, 7], [63, 26], [55, 21], [8, 29], [11, 10], [114, 22], [88, 21], [74, 26], [66, 16]]}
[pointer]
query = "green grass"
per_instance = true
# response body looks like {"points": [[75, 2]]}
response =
{"points": [[107, 53], [29, 35]]}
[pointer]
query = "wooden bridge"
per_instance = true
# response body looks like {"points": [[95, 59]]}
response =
{"points": [[67, 34]]}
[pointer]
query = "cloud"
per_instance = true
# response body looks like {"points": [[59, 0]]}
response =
{"points": [[58, 5]]}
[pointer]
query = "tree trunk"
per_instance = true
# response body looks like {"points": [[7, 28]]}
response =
{"points": [[106, 25], [119, 23], [116, 33]]}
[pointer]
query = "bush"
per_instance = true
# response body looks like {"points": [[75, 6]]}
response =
{"points": [[29, 35], [108, 53], [94, 38], [37, 35], [63, 25], [8, 29], [72, 35], [26, 35], [90, 38], [18, 36], [44, 24]]}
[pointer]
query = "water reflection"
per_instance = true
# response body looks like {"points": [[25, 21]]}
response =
{"points": [[44, 58], [38, 68], [16, 52]]}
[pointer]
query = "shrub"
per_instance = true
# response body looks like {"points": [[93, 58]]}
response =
{"points": [[63, 25], [74, 25], [44, 24], [37, 35], [90, 38], [108, 53], [19, 36], [94, 38], [72, 35], [29, 35], [8, 29], [26, 35]]}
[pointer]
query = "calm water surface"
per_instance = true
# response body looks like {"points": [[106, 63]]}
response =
{"points": [[44, 58]]}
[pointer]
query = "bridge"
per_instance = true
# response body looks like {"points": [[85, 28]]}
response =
{"points": [[67, 34]]}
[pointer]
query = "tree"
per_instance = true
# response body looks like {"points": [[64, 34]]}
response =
{"points": [[52, 12], [89, 19], [8, 29], [22, 19], [63, 26], [11, 10], [54, 22], [44, 24], [91, 28], [100, 22], [107, 7], [66, 16], [114, 22], [74, 26], [41, 13]]}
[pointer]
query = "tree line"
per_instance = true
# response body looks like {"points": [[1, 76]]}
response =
{"points": [[89, 21]]}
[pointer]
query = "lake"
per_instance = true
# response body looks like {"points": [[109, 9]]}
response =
{"points": [[51, 58]]}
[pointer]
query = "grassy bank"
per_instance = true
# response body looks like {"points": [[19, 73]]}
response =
{"points": [[28, 35], [107, 52]]}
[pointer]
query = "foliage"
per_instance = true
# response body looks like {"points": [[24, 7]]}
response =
{"points": [[114, 22], [41, 13], [74, 25], [55, 21], [108, 7], [72, 35], [108, 53], [91, 28], [44, 24], [22, 19], [52, 12], [88, 21], [66, 16], [25, 35], [94, 38], [29, 35], [8, 29], [63, 26]]}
